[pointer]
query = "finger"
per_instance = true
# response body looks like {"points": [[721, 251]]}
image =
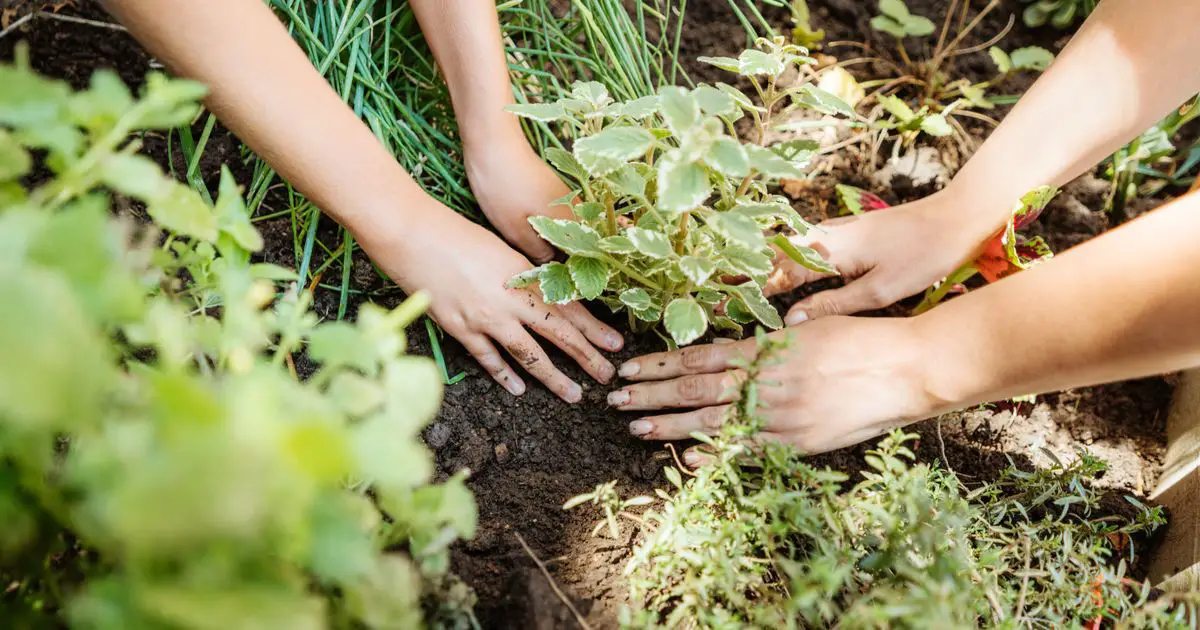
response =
{"points": [[595, 330], [703, 359], [530, 355], [864, 294], [679, 426], [488, 357], [698, 390], [563, 334]]}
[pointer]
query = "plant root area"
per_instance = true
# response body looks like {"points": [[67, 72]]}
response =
{"points": [[527, 455]]}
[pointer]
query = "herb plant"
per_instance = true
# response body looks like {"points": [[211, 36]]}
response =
{"points": [[160, 463], [1151, 161], [895, 19], [760, 538], [670, 207]]}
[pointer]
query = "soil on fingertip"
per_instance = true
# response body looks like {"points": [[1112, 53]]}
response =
{"points": [[528, 454]]}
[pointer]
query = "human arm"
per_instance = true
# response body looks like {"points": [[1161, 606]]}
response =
{"points": [[1079, 319], [507, 176], [1119, 75], [264, 89]]}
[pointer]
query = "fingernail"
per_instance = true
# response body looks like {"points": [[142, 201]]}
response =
{"points": [[796, 317], [614, 341], [574, 393], [628, 369], [640, 427], [691, 458], [618, 398], [514, 386], [606, 372]]}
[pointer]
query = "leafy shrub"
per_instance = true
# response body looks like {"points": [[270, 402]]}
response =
{"points": [[160, 465], [670, 207], [760, 538]]}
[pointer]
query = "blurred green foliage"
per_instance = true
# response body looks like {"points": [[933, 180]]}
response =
{"points": [[160, 464]]}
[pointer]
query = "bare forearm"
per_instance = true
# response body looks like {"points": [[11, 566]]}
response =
{"points": [[1120, 74], [1124, 305], [466, 41], [265, 90]]}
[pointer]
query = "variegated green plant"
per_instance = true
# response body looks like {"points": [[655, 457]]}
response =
{"points": [[671, 210]]}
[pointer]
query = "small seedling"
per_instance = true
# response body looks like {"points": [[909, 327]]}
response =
{"points": [[671, 209], [896, 20], [1150, 162], [606, 497], [803, 33], [1060, 13]]}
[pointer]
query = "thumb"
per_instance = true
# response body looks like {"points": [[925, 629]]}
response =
{"points": [[863, 294]]}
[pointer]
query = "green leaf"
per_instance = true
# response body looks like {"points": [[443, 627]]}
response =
{"points": [[742, 100], [728, 157], [629, 180], [182, 211], [729, 64], [592, 92], [918, 26], [748, 262], [608, 150], [1035, 15], [738, 228], [696, 269], [29, 100], [565, 162], [897, 108], [771, 164], [541, 112], [136, 176], [806, 257], [14, 160], [714, 102], [936, 125], [682, 186], [822, 101], [685, 320], [556, 284], [569, 236], [588, 210], [524, 279], [751, 296], [232, 215], [679, 109], [756, 62], [975, 96], [1003, 62], [649, 243], [641, 108], [896, 9], [168, 103], [590, 276], [618, 245], [106, 100], [1031, 58], [888, 25], [636, 299]]}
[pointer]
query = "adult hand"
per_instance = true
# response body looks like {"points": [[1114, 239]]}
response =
{"points": [[844, 380], [885, 255], [465, 267], [512, 184]]}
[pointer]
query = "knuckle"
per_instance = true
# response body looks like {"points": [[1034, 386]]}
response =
{"points": [[691, 388], [713, 418], [696, 357]]}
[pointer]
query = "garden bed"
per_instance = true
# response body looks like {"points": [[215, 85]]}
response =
{"points": [[529, 454]]}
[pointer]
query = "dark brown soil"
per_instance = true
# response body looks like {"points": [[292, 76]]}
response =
{"points": [[529, 454]]}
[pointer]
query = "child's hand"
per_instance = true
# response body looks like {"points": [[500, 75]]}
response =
{"points": [[885, 255], [512, 184], [465, 267]]}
